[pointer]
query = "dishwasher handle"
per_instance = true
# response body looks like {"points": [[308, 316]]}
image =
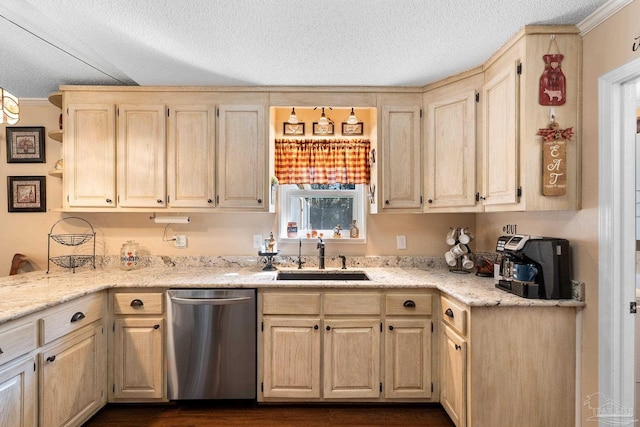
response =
{"points": [[210, 301]]}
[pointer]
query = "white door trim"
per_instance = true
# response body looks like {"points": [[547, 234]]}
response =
{"points": [[616, 289]]}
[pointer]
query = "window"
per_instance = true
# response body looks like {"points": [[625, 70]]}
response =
{"points": [[321, 208]]}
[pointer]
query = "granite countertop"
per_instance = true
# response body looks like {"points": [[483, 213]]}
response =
{"points": [[27, 293]]}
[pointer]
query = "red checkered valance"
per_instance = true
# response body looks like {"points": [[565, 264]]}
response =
{"points": [[326, 161]]}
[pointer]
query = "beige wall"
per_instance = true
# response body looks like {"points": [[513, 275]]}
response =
{"points": [[207, 234], [605, 48]]}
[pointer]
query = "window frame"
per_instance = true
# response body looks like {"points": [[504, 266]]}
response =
{"points": [[288, 191]]}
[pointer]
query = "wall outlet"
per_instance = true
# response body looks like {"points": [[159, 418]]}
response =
{"points": [[181, 241], [257, 241], [401, 242]]}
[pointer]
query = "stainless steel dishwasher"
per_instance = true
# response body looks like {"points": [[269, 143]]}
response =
{"points": [[211, 344]]}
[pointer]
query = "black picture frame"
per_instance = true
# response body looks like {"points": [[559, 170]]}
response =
{"points": [[25, 144], [292, 129], [319, 129], [352, 129], [26, 193]]}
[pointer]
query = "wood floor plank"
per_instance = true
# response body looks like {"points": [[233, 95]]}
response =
{"points": [[225, 414]]}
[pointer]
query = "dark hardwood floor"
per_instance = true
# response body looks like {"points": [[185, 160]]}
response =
{"points": [[241, 414]]}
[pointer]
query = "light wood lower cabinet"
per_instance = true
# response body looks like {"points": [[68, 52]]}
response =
{"points": [[73, 378], [346, 345], [18, 391], [137, 366], [508, 366]]}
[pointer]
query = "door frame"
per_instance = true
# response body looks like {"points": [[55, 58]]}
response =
{"points": [[617, 272]]}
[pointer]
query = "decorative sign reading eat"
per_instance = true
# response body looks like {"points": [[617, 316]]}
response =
{"points": [[554, 159]]}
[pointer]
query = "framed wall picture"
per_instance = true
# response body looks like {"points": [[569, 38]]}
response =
{"points": [[26, 193], [25, 145], [352, 129], [319, 129], [293, 129]]}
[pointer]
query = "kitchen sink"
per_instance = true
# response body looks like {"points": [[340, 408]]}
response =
{"points": [[322, 275]]}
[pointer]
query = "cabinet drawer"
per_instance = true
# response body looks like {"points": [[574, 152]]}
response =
{"points": [[352, 303], [291, 303], [137, 303], [408, 304], [17, 341], [72, 316], [454, 315]]}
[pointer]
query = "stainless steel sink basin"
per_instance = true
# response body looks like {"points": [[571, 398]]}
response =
{"points": [[322, 275]]}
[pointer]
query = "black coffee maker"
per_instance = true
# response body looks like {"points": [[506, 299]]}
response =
{"points": [[535, 267]]}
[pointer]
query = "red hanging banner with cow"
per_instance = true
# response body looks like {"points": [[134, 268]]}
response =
{"points": [[553, 86]]}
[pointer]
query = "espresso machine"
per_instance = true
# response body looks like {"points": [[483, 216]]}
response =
{"points": [[535, 267]]}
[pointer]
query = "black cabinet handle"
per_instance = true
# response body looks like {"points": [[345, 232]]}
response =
{"points": [[109, 201], [458, 347], [51, 358], [430, 200], [209, 201], [156, 326], [409, 304], [259, 200], [136, 303], [449, 313], [328, 328], [386, 202], [390, 327], [159, 200], [78, 316], [315, 327]]}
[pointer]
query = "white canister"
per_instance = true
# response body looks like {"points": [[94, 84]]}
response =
{"points": [[129, 255]]}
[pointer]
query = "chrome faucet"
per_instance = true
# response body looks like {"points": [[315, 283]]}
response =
{"points": [[320, 253]]}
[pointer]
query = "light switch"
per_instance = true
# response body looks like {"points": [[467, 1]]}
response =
{"points": [[401, 242]]}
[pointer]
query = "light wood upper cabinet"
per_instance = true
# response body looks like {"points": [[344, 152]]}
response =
{"points": [[501, 166], [512, 116], [451, 145], [242, 157], [191, 156], [400, 154], [89, 156], [141, 156]]}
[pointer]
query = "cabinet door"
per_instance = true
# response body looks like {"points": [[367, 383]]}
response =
{"points": [[407, 358], [242, 157], [453, 377], [73, 379], [400, 158], [291, 358], [500, 144], [138, 366], [351, 359], [191, 156], [18, 388], [141, 156], [89, 155], [451, 152]]}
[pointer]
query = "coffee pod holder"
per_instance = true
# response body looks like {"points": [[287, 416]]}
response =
{"points": [[453, 236]]}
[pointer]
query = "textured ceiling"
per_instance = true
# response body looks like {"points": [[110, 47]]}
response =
{"points": [[47, 43]]}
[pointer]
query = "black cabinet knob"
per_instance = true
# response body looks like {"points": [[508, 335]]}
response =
{"points": [[315, 327], [209, 201], [109, 201], [449, 313], [136, 303], [458, 347], [51, 358], [386, 202], [159, 200], [328, 328], [259, 200], [409, 304], [390, 327], [430, 201], [156, 326]]}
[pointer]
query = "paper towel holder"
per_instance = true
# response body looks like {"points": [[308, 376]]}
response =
{"points": [[170, 219]]}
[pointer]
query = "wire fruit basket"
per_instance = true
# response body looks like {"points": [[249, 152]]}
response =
{"points": [[71, 261]]}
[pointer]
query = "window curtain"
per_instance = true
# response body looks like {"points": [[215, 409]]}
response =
{"points": [[327, 161]]}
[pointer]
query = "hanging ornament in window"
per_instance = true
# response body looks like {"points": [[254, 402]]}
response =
{"points": [[553, 85]]}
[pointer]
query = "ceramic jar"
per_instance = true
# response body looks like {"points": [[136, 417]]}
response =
{"points": [[129, 255]]}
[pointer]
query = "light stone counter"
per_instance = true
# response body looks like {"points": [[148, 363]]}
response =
{"points": [[31, 292]]}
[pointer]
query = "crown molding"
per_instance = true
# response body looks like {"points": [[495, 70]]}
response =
{"points": [[601, 14]]}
